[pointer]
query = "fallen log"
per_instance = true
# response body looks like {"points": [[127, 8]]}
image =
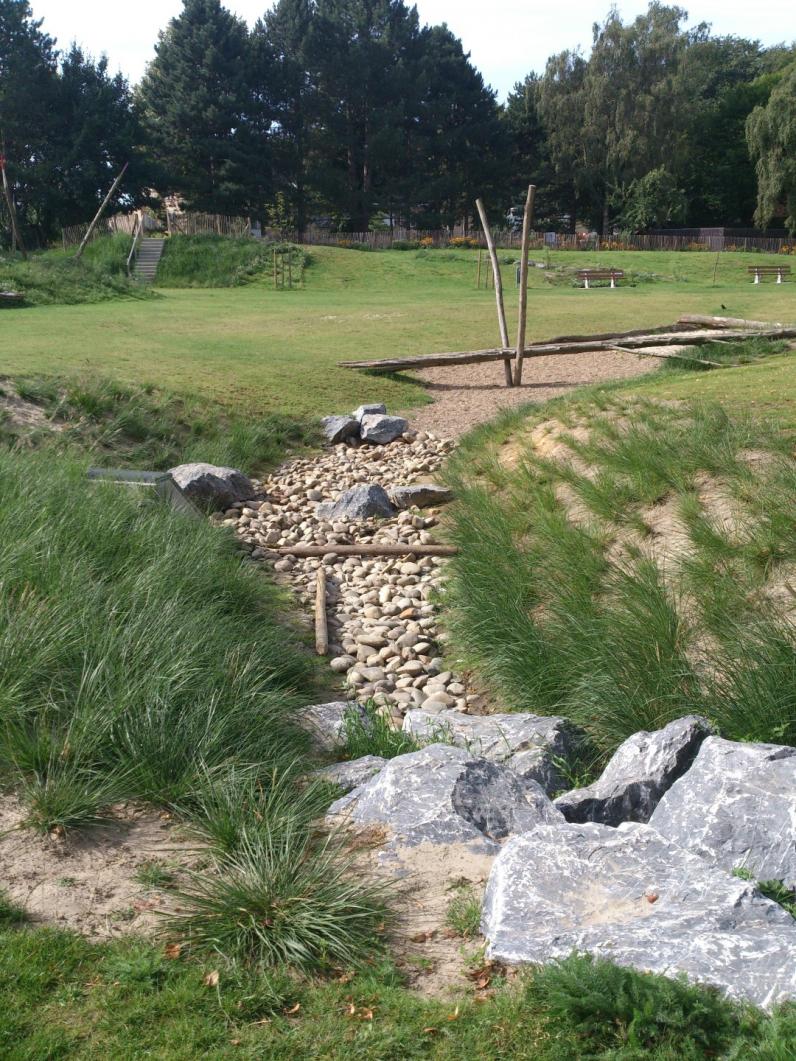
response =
{"points": [[368, 549], [321, 626], [587, 345], [725, 322], [671, 356]]}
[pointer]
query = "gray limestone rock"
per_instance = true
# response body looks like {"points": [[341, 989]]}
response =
{"points": [[445, 795], [350, 775], [527, 744], [325, 723], [212, 487], [380, 429], [639, 773], [376, 409], [361, 502], [736, 806], [339, 428], [635, 898], [420, 495]]}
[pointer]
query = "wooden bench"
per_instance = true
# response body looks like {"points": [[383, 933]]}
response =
{"points": [[10, 296], [587, 275], [759, 271]]}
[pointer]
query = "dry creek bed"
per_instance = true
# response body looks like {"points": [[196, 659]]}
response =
{"points": [[385, 639]]}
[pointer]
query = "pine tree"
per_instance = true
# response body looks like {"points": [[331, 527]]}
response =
{"points": [[280, 41], [28, 84], [204, 115]]}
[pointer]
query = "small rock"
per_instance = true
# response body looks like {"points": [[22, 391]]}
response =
{"points": [[339, 428], [342, 664], [361, 502], [381, 430], [420, 495], [212, 487], [376, 409]]}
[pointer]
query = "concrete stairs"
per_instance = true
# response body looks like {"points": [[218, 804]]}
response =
{"points": [[146, 263]]}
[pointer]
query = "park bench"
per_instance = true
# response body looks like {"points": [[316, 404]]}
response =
{"points": [[759, 271], [587, 275], [10, 297]]}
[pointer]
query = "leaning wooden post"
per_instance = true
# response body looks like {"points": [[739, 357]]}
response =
{"points": [[12, 211], [321, 626], [101, 211], [501, 311], [526, 246]]}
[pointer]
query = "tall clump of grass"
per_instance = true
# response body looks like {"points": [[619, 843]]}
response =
{"points": [[140, 659], [579, 615]]}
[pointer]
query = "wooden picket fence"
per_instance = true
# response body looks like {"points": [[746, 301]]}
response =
{"points": [[197, 224]]}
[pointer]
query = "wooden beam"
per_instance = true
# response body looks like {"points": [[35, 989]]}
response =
{"points": [[501, 309], [321, 626], [101, 211], [674, 357], [526, 247], [368, 549], [631, 343]]}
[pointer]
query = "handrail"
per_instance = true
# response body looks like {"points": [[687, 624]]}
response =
{"points": [[138, 232]]}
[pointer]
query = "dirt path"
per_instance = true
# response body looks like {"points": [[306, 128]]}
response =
{"points": [[468, 395]]}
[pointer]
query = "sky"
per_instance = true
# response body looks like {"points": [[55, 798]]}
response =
{"points": [[506, 38]]}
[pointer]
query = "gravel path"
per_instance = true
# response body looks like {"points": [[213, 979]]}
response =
{"points": [[467, 395]]}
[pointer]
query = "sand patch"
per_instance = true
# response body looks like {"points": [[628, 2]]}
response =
{"points": [[87, 880]]}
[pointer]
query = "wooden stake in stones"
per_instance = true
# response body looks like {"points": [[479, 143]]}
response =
{"points": [[526, 246], [321, 626]]}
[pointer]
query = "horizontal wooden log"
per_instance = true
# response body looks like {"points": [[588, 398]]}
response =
{"points": [[464, 357], [631, 343], [11, 296], [672, 356], [369, 549], [724, 322]]}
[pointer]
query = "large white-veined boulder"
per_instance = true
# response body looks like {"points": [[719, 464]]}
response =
{"points": [[737, 807], [638, 774], [635, 898], [533, 746], [446, 795]]}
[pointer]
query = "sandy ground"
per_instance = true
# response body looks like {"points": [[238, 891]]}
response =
{"points": [[88, 880], [468, 395]]}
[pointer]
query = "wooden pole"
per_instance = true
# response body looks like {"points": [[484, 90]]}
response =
{"points": [[478, 277], [274, 270], [501, 311], [526, 246], [289, 271], [368, 549], [321, 626], [12, 212], [101, 211]]}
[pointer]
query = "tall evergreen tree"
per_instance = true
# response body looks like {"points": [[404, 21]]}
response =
{"points": [[462, 144], [28, 86], [280, 41], [205, 114], [361, 53], [771, 132]]}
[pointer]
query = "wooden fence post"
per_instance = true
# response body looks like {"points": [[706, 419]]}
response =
{"points": [[501, 311], [526, 242]]}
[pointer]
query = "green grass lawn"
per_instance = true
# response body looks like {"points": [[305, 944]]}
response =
{"points": [[266, 350]]}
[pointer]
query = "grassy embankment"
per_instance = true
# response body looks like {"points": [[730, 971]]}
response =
{"points": [[627, 561], [262, 350]]}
